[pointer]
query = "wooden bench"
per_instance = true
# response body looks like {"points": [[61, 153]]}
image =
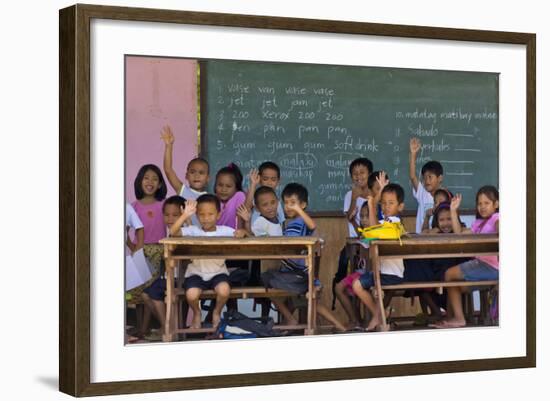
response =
{"points": [[426, 247], [277, 248]]}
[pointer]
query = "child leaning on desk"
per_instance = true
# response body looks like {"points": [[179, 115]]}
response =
{"points": [[391, 270], [205, 274], [481, 268], [298, 223]]}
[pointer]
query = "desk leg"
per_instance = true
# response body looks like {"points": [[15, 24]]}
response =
{"points": [[378, 285], [311, 318], [169, 327]]}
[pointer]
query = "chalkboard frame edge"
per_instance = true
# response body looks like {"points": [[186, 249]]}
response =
{"points": [[74, 250]]}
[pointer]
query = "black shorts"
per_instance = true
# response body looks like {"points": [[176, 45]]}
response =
{"points": [[197, 282]]}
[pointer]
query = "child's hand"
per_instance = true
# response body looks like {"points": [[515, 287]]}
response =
{"points": [[167, 135], [455, 202], [190, 208], [243, 213], [240, 233], [383, 180], [352, 213], [415, 145], [430, 212], [355, 191], [254, 177]]}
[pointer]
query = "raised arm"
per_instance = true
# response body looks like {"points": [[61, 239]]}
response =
{"points": [[352, 213], [355, 192], [373, 219], [244, 216], [415, 146], [253, 181], [187, 212], [426, 223], [307, 219], [168, 138], [455, 204]]}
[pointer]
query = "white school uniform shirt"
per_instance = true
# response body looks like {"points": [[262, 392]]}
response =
{"points": [[425, 201], [189, 193], [263, 227], [207, 268], [393, 266], [256, 214], [359, 203]]}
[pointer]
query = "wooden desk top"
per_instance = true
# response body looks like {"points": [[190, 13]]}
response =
{"points": [[414, 246], [273, 240]]}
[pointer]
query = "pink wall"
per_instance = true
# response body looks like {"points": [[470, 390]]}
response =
{"points": [[159, 91]]}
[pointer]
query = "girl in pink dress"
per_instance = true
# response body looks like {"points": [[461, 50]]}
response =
{"points": [[481, 268]]}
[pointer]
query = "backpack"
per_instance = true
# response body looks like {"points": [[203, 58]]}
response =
{"points": [[236, 325], [295, 281]]}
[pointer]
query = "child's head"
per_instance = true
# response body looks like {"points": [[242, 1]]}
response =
{"points": [[294, 194], [442, 195], [270, 174], [208, 211], [392, 200], [372, 183], [364, 215], [486, 201], [197, 174], [229, 180], [442, 218], [266, 202], [171, 209], [432, 175], [149, 182], [359, 171]]}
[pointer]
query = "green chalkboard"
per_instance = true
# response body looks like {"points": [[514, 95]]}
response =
{"points": [[313, 120]]}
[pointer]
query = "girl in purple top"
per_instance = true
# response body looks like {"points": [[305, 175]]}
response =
{"points": [[481, 268], [229, 190], [150, 191]]}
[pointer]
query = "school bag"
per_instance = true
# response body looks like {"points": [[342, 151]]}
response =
{"points": [[236, 325], [386, 230], [294, 281]]}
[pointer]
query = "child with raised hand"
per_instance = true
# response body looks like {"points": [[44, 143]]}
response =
{"points": [[267, 175], [197, 174], [423, 191], [481, 268], [441, 196], [359, 171], [203, 274], [391, 270], [297, 223]]}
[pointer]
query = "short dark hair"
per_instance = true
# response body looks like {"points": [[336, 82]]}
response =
{"points": [[263, 190], [445, 192], [433, 166], [199, 159], [160, 194], [361, 161], [490, 192], [395, 189], [372, 178], [233, 170], [209, 198], [295, 189], [271, 166], [173, 200]]}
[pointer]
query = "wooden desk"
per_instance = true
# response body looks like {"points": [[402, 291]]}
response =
{"points": [[429, 246], [188, 248]]}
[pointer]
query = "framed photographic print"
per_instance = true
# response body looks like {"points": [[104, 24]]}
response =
{"points": [[137, 85]]}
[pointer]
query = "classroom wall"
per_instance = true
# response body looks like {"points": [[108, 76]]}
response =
{"points": [[159, 91]]}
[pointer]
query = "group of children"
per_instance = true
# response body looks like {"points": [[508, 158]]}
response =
{"points": [[229, 211]]}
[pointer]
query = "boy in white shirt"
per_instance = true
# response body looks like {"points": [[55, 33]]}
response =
{"points": [[204, 274], [391, 270], [432, 177]]}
